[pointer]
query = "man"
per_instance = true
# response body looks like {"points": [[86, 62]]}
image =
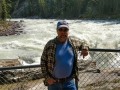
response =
{"points": [[59, 59]]}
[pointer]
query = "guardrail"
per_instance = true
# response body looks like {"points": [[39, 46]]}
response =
{"points": [[100, 71]]}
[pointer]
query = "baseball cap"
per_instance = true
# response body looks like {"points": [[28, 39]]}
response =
{"points": [[62, 23]]}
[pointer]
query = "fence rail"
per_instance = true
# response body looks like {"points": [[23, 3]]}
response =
{"points": [[104, 50], [99, 71]]}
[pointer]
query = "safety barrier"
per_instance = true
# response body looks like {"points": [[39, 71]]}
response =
{"points": [[100, 70]]}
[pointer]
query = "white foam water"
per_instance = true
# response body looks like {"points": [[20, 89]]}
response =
{"points": [[98, 34]]}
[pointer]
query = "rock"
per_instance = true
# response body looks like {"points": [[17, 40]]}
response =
{"points": [[118, 73], [21, 20], [9, 62], [87, 66], [10, 28]]}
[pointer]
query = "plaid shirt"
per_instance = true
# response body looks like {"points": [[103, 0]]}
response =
{"points": [[48, 56]]}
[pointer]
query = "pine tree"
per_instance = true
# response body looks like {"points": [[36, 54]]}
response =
{"points": [[4, 12], [0, 9]]}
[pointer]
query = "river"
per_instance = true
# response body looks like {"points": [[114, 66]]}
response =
{"points": [[28, 46]]}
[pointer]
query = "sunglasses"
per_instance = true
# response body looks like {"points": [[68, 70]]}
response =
{"points": [[63, 29]]}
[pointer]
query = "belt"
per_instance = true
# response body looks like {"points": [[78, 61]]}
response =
{"points": [[62, 79]]}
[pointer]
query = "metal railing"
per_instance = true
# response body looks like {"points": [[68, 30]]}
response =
{"points": [[100, 70]]}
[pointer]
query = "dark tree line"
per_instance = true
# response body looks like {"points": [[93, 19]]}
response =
{"points": [[5, 7], [74, 8], [62, 8], [3, 11]]}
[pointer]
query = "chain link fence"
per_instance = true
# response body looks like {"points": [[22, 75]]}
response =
{"points": [[100, 70]]}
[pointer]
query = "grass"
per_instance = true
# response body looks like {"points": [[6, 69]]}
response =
{"points": [[90, 86], [22, 85], [101, 83], [4, 25], [115, 81]]}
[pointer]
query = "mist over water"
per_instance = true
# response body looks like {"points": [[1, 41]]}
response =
{"points": [[28, 46]]}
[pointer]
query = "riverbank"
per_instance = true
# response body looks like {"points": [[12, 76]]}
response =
{"points": [[90, 78], [11, 28], [9, 62]]}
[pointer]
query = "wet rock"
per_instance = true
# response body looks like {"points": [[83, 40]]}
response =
{"points": [[11, 28]]}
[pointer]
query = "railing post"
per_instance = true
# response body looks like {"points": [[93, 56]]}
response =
{"points": [[76, 83]]}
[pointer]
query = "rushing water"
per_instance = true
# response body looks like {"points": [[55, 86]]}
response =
{"points": [[29, 45]]}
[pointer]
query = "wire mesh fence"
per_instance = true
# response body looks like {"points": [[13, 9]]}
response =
{"points": [[100, 70]]}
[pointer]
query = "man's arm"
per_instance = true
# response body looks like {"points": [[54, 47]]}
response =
{"points": [[80, 45], [44, 66], [84, 52], [84, 49], [44, 62]]}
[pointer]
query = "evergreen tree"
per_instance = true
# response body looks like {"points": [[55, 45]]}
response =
{"points": [[4, 11], [9, 7], [62, 8], [0, 9]]}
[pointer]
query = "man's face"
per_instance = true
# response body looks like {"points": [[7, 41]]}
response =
{"points": [[62, 34]]}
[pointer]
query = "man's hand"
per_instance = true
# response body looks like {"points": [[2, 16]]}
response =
{"points": [[84, 52], [51, 81]]}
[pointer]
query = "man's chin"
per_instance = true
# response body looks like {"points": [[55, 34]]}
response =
{"points": [[63, 39]]}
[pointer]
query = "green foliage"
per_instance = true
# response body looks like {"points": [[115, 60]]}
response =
{"points": [[65, 8], [4, 12], [0, 9], [4, 8], [8, 8]]}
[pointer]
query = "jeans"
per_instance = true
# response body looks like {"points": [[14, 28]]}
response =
{"points": [[68, 85]]}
